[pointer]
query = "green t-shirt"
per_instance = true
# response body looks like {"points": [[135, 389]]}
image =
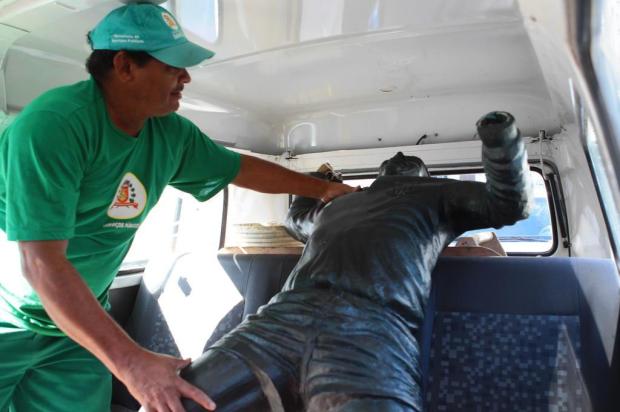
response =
{"points": [[66, 172]]}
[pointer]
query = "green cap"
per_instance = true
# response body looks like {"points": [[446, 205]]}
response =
{"points": [[149, 28]]}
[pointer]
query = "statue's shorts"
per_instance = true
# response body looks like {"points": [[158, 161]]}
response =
{"points": [[314, 350]]}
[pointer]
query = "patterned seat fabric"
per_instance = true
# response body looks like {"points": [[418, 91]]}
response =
{"points": [[521, 334], [505, 362]]}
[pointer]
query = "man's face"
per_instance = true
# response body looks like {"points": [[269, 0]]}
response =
{"points": [[158, 87]]}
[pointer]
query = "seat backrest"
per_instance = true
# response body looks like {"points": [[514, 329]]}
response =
{"points": [[531, 333], [258, 277], [177, 294]]}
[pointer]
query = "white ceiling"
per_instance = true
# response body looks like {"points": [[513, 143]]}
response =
{"points": [[316, 75]]}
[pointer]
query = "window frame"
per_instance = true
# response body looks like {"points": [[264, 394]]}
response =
{"points": [[552, 186], [140, 268]]}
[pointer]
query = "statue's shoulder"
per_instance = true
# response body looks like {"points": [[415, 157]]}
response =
{"points": [[388, 182]]}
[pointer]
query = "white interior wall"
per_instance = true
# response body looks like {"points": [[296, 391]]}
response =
{"points": [[547, 25], [8, 35], [589, 236], [434, 155]]}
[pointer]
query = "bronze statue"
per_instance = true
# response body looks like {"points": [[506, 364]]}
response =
{"points": [[342, 335]]}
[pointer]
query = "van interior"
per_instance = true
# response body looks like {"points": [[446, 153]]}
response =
{"points": [[520, 318]]}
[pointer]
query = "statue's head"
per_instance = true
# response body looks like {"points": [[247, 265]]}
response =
{"points": [[401, 165]]}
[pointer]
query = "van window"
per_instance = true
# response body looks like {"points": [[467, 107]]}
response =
{"points": [[534, 235], [178, 223], [603, 173], [605, 53], [200, 18]]}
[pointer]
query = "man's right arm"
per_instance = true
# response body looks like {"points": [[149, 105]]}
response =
{"points": [[152, 378]]}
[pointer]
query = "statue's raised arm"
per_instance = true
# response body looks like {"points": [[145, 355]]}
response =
{"points": [[505, 164], [504, 199]]}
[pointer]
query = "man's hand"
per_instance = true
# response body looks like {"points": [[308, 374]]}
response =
{"points": [[153, 379], [335, 189]]}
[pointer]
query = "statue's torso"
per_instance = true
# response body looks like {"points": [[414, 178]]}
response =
{"points": [[381, 243]]}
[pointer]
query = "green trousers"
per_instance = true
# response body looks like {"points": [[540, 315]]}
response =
{"points": [[49, 374]]}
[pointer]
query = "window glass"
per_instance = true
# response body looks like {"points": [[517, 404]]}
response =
{"points": [[178, 223], [603, 171], [200, 18], [532, 235], [606, 54], [200, 224]]}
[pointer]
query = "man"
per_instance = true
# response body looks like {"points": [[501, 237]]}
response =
{"points": [[80, 168], [342, 333]]}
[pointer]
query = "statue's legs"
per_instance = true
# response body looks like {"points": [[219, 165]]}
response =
{"points": [[361, 360], [334, 402], [303, 348], [254, 367], [229, 381]]}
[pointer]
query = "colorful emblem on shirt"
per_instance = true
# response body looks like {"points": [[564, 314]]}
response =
{"points": [[130, 198]]}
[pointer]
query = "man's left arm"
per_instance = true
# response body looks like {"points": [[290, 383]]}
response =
{"points": [[268, 177]]}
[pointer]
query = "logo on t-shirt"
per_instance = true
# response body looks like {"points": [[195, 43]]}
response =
{"points": [[130, 198]]}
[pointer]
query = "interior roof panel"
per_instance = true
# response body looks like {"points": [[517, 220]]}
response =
{"points": [[309, 76]]}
